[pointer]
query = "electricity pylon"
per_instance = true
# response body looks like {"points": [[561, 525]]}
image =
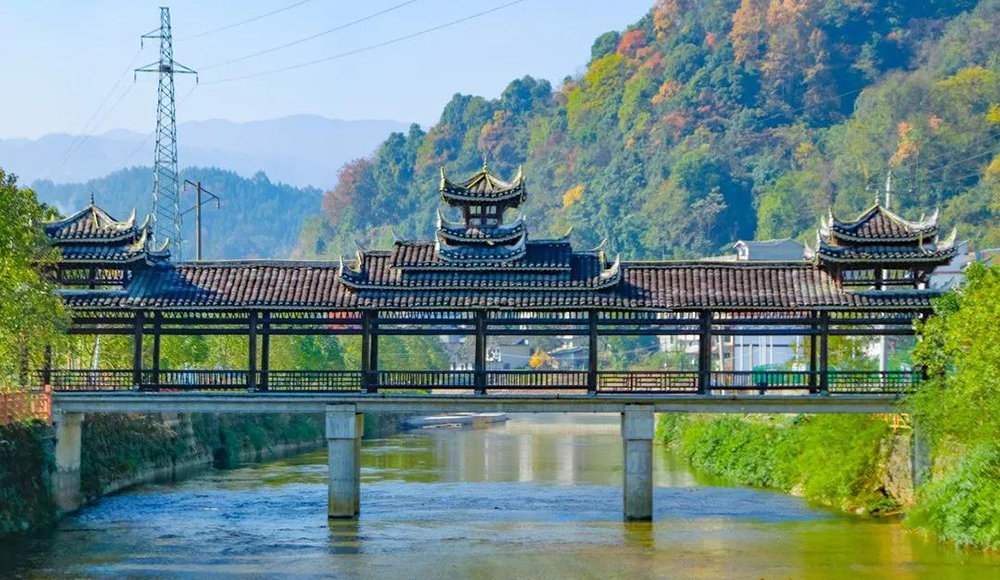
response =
{"points": [[166, 216]]}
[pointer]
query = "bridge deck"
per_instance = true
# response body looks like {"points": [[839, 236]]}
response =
{"points": [[234, 402]]}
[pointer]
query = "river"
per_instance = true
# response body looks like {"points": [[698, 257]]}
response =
{"points": [[537, 497]]}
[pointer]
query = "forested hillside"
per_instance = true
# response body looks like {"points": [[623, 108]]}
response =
{"points": [[257, 218], [712, 120]]}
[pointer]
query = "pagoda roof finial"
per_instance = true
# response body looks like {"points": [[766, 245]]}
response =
{"points": [[92, 199]]}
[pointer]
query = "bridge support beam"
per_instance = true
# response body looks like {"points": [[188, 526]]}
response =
{"points": [[344, 426], [66, 480], [638, 425]]}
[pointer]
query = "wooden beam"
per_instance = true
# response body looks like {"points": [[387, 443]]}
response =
{"points": [[592, 353], [137, 329], [157, 318], [265, 350], [373, 354], [480, 363], [705, 352], [366, 333], [824, 353], [252, 352]]}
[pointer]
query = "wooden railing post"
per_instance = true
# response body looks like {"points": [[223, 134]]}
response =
{"points": [[824, 353], [705, 352], [252, 351], [812, 359], [373, 381], [592, 352], [157, 325], [137, 329], [366, 332], [480, 364], [265, 351]]}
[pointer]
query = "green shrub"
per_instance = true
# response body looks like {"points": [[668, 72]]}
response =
{"points": [[964, 505], [119, 446], [833, 459], [26, 461], [744, 452]]}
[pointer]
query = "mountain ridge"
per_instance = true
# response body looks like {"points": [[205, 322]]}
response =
{"points": [[301, 150]]}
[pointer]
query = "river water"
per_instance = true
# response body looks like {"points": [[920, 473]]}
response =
{"points": [[537, 497]]}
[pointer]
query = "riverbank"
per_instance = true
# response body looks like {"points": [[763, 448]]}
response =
{"points": [[122, 451], [854, 463]]}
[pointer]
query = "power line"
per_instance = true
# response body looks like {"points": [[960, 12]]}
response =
{"points": [[150, 134], [84, 133], [308, 38], [369, 47], [242, 22]]}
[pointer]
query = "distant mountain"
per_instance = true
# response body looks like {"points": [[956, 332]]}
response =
{"points": [[257, 218], [301, 150]]}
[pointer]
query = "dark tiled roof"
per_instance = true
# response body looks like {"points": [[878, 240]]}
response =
{"points": [[90, 223], [483, 187], [879, 254], [536, 255], [643, 286], [504, 233], [881, 224], [100, 253]]}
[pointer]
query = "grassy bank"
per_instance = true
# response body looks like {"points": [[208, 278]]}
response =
{"points": [[840, 461], [26, 460], [119, 447]]}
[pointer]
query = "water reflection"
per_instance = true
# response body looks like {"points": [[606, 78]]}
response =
{"points": [[532, 498]]}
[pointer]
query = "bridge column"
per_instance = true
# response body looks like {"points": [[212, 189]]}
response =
{"points": [[66, 480], [637, 433], [344, 426]]}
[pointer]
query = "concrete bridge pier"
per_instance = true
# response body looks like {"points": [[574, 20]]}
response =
{"points": [[66, 480], [344, 426], [638, 425]]}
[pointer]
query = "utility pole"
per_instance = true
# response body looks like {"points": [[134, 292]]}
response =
{"points": [[197, 212], [166, 216]]}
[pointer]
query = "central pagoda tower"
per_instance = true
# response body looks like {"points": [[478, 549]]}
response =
{"points": [[482, 236]]}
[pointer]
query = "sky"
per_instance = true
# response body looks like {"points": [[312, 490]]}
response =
{"points": [[63, 58]]}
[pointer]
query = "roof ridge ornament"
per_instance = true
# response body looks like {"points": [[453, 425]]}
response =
{"points": [[949, 242]]}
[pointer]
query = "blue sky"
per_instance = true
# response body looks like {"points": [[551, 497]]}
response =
{"points": [[61, 58]]}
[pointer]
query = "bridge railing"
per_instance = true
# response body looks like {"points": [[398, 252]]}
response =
{"points": [[765, 380], [424, 380], [647, 382], [87, 379], [546, 379], [200, 380], [873, 382], [323, 381], [651, 382]]}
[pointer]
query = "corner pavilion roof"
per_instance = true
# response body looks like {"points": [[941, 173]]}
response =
{"points": [[92, 237], [879, 238], [90, 223], [878, 223]]}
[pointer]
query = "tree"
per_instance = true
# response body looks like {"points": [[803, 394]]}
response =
{"points": [[31, 315]]}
